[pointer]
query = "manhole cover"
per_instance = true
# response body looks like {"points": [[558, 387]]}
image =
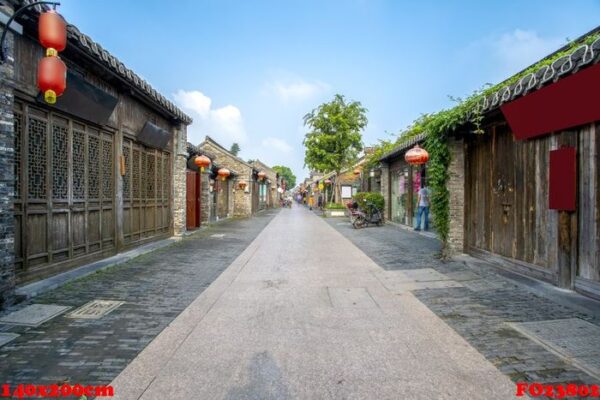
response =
{"points": [[574, 339], [95, 309], [217, 235], [34, 315], [6, 337], [351, 297]]}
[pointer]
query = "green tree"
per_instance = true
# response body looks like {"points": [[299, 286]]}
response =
{"points": [[287, 175], [235, 149], [335, 137]]}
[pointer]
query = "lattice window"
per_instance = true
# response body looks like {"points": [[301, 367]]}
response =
{"points": [[107, 169], [150, 172], [60, 171], [78, 165], [166, 170], [17, 165], [159, 175], [127, 176], [37, 165], [135, 174], [93, 167]]}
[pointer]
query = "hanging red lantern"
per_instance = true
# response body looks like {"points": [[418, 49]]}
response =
{"points": [[52, 78], [242, 185], [357, 171], [223, 173], [262, 175], [52, 32], [416, 156], [202, 162]]}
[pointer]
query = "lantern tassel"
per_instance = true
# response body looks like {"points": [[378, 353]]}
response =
{"points": [[50, 96]]}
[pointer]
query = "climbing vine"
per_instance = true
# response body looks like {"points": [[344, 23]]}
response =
{"points": [[437, 127]]}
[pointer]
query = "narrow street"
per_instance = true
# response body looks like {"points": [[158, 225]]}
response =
{"points": [[303, 313]]}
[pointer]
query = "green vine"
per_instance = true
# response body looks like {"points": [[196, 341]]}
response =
{"points": [[438, 125]]}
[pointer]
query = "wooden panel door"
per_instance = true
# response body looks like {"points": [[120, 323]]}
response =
{"points": [[64, 192], [192, 200], [146, 188]]}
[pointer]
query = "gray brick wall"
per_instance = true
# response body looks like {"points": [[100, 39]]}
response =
{"points": [[456, 187], [179, 181], [7, 138]]}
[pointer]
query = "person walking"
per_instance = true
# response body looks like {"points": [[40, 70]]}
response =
{"points": [[311, 202], [423, 202]]}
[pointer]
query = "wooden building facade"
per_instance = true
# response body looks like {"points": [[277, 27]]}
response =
{"points": [[96, 173]]}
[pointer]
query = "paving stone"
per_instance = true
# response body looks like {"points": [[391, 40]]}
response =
{"points": [[34, 314], [156, 287], [480, 310], [7, 337], [95, 309]]}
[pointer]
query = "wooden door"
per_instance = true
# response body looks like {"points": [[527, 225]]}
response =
{"points": [[192, 199], [146, 187], [64, 192]]}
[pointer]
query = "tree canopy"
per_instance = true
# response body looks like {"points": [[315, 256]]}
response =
{"points": [[235, 149], [335, 136], [287, 175]]}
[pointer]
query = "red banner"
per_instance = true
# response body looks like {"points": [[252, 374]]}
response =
{"points": [[569, 102], [562, 190]]}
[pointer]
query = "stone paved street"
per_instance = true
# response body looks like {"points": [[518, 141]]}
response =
{"points": [[155, 287], [481, 309], [291, 305]]}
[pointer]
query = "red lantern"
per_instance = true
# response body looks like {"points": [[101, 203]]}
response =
{"points": [[52, 30], [242, 185], [52, 78], [202, 162], [416, 156], [328, 181], [223, 173], [357, 171], [262, 175]]}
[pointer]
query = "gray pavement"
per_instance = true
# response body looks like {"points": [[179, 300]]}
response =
{"points": [[155, 287], [303, 313]]}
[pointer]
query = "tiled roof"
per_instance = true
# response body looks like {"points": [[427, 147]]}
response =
{"points": [[403, 146], [581, 57], [110, 62]]}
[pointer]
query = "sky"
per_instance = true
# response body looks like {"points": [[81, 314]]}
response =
{"points": [[248, 71]]}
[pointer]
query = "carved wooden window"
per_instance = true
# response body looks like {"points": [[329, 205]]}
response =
{"points": [[150, 171], [94, 167], [36, 163], [107, 169], [18, 126], [60, 173], [159, 175], [78, 165], [127, 176], [166, 170], [135, 174]]}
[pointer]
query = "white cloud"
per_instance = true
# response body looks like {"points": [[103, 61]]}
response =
{"points": [[277, 144], [518, 49], [225, 123], [297, 90]]}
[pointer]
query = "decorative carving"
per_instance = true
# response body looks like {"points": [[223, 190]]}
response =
{"points": [[93, 167], [107, 169], [150, 174], [159, 175], [18, 121], [166, 170], [60, 168], [78, 165], [127, 176], [37, 164]]}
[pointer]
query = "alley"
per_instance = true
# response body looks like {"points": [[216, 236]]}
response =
{"points": [[303, 313]]}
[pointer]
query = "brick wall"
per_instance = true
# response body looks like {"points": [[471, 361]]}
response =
{"points": [[456, 187], [240, 203], [205, 198], [7, 266], [179, 181]]}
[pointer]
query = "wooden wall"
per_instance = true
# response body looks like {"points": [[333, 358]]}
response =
{"points": [[507, 204]]}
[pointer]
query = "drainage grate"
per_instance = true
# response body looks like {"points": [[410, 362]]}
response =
{"points": [[95, 309], [401, 281], [34, 314], [6, 337], [217, 235], [574, 339]]}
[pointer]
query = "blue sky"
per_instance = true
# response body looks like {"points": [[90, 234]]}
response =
{"points": [[247, 71]]}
